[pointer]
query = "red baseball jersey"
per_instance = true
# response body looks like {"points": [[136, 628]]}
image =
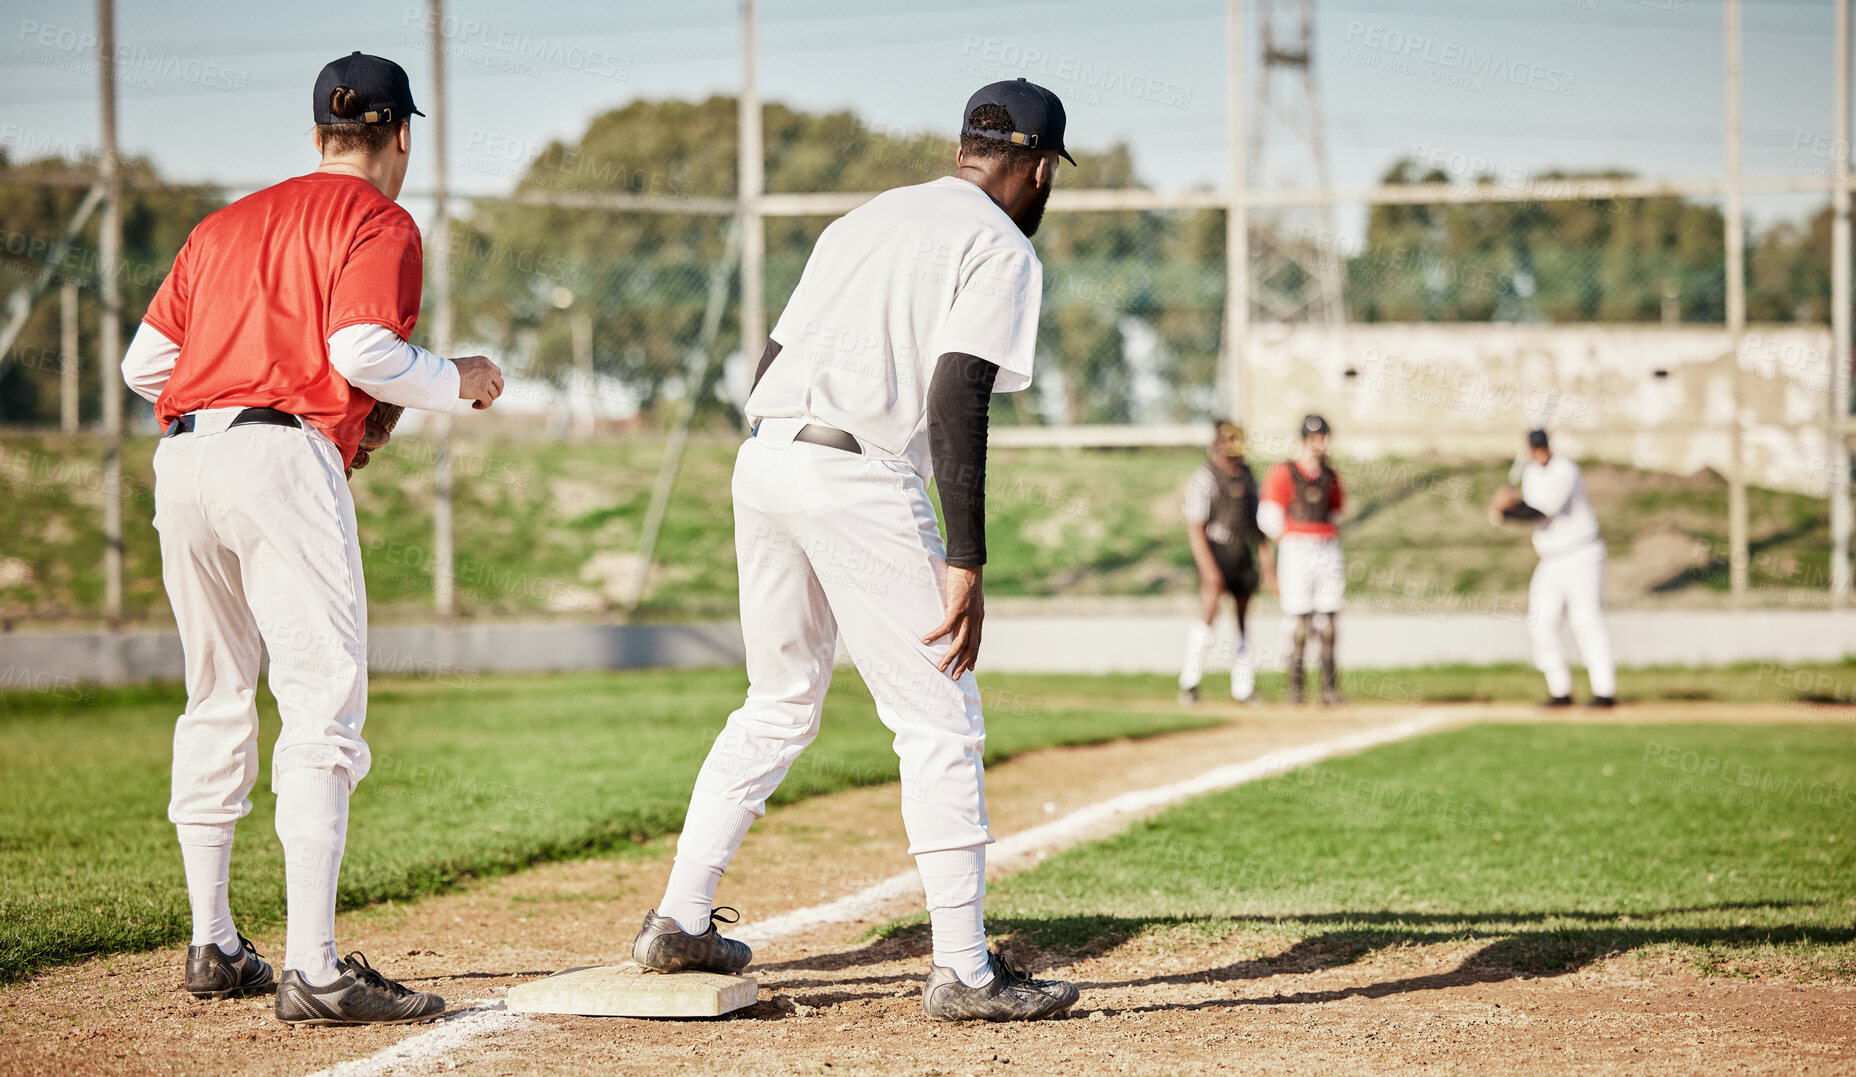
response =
{"points": [[260, 285], [1300, 517]]}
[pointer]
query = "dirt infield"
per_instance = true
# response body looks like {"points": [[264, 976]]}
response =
{"points": [[1175, 1001]]}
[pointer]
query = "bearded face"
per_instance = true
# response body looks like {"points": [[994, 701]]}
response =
{"points": [[1033, 215]]}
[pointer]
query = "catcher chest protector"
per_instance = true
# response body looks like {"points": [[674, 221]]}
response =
{"points": [[1313, 498], [1234, 506]]}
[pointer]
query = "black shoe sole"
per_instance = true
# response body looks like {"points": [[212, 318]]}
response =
{"points": [[336, 1022], [233, 992]]}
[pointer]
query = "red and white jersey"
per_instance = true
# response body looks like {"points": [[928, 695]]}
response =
{"points": [[1306, 504], [262, 284]]}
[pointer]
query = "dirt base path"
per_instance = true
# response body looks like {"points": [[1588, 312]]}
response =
{"points": [[831, 1004]]}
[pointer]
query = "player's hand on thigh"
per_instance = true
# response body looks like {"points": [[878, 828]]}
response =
{"points": [[966, 611]]}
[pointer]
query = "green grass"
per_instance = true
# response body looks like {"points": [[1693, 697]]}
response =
{"points": [[551, 527], [1546, 846], [1828, 684], [471, 776]]}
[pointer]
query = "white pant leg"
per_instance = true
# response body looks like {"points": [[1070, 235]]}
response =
{"points": [[1546, 601], [1585, 590], [790, 637], [215, 760], [1330, 572], [1311, 575], [283, 506], [878, 553]]}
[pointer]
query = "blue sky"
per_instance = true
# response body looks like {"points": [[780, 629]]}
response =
{"points": [[219, 91]]}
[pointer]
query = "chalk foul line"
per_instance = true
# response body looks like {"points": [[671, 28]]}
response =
{"points": [[486, 1016]]}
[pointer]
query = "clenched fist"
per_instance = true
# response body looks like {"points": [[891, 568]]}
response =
{"points": [[479, 381]]}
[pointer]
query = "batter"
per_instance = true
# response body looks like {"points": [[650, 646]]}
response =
{"points": [[912, 310], [284, 319], [1569, 581], [1299, 509], [1221, 524]]}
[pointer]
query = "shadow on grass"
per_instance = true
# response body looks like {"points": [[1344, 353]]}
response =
{"points": [[1516, 945]]}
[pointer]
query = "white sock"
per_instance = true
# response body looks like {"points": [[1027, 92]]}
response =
{"points": [[206, 855], [1198, 641], [1243, 672], [712, 831], [955, 883], [312, 823]]}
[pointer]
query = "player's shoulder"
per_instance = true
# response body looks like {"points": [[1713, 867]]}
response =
{"points": [[1276, 476], [1557, 466], [355, 200], [967, 215]]}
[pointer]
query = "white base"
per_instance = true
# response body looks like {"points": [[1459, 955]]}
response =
{"points": [[629, 990]]}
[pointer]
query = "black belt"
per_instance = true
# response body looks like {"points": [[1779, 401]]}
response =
{"points": [[829, 437], [183, 424]]}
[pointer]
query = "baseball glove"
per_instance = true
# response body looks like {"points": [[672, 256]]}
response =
{"points": [[376, 433]]}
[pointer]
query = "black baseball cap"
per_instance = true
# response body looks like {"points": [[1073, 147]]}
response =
{"points": [[1037, 116], [1314, 424], [1536, 439], [385, 92]]}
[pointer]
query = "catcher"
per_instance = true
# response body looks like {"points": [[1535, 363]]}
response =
{"points": [[282, 327]]}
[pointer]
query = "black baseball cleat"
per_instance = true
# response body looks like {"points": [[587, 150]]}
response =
{"points": [[211, 973], [1188, 696], [1558, 701], [1603, 702], [359, 996], [663, 945], [1331, 697], [1011, 996]]}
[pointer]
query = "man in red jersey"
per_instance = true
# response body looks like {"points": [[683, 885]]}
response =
{"points": [[285, 318], [1300, 502]]}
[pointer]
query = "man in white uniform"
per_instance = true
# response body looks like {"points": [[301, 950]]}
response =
{"points": [[912, 310], [1569, 582]]}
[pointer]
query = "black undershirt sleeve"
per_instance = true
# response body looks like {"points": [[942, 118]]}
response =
{"points": [[958, 397], [766, 360], [1522, 512]]}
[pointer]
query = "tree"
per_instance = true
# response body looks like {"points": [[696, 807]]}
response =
{"points": [[34, 211]]}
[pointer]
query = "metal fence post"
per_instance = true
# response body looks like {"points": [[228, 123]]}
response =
{"points": [[444, 573], [1837, 453], [749, 169], [1236, 365], [1736, 314], [109, 342], [67, 358]]}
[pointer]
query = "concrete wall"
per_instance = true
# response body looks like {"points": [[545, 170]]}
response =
{"points": [[1131, 643], [1655, 397]]}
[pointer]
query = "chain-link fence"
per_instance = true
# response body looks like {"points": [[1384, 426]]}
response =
{"points": [[1450, 307]]}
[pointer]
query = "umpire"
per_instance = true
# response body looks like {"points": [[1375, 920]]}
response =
{"points": [[1221, 526]]}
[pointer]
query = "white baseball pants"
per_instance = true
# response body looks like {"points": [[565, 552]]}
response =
{"points": [[828, 540], [1311, 575], [259, 547], [1571, 585]]}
